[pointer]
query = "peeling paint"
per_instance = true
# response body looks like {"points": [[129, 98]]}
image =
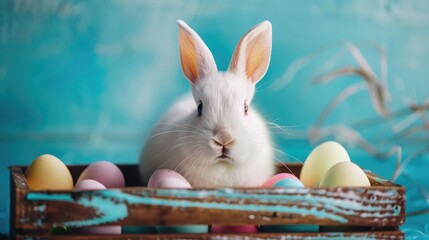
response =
{"points": [[111, 205]]}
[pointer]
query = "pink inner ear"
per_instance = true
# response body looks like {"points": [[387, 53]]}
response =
{"points": [[253, 52], [234, 64], [188, 56], [258, 54]]}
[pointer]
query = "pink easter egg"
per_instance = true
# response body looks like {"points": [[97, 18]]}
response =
{"points": [[104, 172], [234, 229], [166, 178], [173, 183], [89, 184], [274, 179]]}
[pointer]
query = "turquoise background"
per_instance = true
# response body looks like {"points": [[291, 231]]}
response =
{"points": [[86, 80]]}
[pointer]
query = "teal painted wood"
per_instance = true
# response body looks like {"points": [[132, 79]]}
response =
{"points": [[331, 206], [296, 236]]}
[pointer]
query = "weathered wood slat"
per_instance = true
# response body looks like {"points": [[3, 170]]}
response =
{"points": [[381, 206], [322, 235], [324, 206], [18, 189], [378, 181]]}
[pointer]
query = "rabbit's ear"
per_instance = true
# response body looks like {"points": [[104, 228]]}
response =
{"points": [[252, 54], [196, 58]]}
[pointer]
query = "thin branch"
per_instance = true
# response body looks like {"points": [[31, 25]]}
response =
{"points": [[372, 122], [291, 72], [346, 93], [360, 59], [374, 88], [411, 131], [411, 157], [417, 213]]}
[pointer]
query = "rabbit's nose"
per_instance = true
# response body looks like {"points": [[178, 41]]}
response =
{"points": [[222, 138]]}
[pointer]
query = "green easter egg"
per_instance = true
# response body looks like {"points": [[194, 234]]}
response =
{"points": [[183, 229]]}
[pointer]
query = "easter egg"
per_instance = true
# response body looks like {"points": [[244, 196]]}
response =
{"points": [[183, 229], [320, 160], [290, 228], [234, 229], [342, 229], [104, 172], [345, 174], [47, 172], [274, 179], [138, 229], [289, 181], [165, 178], [89, 184]]}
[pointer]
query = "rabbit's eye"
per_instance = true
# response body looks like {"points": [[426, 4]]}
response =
{"points": [[200, 108], [246, 108]]}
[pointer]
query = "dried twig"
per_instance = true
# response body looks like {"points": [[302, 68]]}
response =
{"points": [[293, 69], [411, 157], [375, 90], [417, 213], [379, 92], [383, 66], [346, 93], [411, 131], [421, 189], [379, 96], [291, 72], [417, 112], [343, 133]]}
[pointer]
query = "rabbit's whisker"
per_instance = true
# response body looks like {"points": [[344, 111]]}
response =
{"points": [[196, 160], [177, 157], [179, 125], [172, 131], [279, 151], [146, 163], [284, 164], [191, 156]]}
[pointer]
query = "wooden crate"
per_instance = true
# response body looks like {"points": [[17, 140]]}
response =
{"points": [[357, 212]]}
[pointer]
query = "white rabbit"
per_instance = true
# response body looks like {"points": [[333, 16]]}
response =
{"points": [[214, 138]]}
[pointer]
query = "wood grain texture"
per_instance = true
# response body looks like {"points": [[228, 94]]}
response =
{"points": [[18, 189], [378, 206], [331, 206], [323, 235]]}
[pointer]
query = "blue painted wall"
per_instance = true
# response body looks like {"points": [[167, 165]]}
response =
{"points": [[86, 80]]}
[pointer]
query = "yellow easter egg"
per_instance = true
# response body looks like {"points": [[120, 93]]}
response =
{"points": [[345, 174], [320, 160], [47, 172]]}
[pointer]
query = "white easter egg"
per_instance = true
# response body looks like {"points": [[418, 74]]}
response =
{"points": [[345, 174], [320, 160]]}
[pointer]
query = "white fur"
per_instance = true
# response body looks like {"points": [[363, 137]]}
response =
{"points": [[181, 140]]}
